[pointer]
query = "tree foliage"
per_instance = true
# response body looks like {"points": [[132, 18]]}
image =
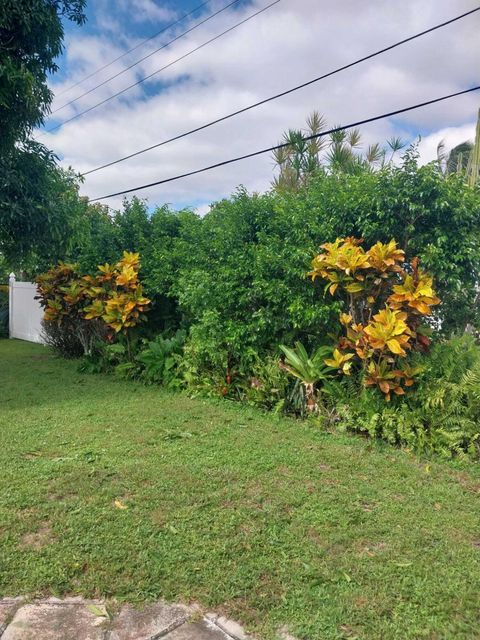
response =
{"points": [[237, 276], [41, 212], [38, 200], [31, 38]]}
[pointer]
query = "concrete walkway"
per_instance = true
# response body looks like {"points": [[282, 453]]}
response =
{"points": [[78, 619]]}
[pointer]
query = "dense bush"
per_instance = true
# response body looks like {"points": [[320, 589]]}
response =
{"points": [[245, 286], [64, 326], [387, 301], [431, 217], [235, 284], [441, 416], [91, 308], [236, 276]]}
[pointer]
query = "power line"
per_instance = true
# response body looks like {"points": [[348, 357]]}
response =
{"points": [[283, 93], [287, 144], [140, 44], [134, 64], [189, 53]]}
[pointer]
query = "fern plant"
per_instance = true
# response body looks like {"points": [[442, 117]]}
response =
{"points": [[160, 359], [441, 416]]}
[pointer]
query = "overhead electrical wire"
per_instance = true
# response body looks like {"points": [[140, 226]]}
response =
{"points": [[148, 55], [189, 53], [137, 46], [283, 93], [287, 144]]}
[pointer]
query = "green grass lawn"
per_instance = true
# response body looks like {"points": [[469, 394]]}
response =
{"points": [[272, 521]]}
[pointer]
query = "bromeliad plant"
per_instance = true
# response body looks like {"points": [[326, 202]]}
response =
{"points": [[310, 370], [387, 299]]}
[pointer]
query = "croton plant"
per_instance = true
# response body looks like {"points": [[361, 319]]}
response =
{"points": [[116, 294], [387, 300], [113, 296]]}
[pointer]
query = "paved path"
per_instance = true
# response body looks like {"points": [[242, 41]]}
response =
{"points": [[78, 619]]}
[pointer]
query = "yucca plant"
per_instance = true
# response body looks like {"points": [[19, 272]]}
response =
{"points": [[340, 151], [310, 370]]}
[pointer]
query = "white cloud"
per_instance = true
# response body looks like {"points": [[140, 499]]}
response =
{"points": [[286, 45], [451, 136], [148, 11]]}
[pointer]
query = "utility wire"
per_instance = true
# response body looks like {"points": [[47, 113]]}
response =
{"points": [[189, 53], [134, 64], [140, 44], [280, 95], [287, 144]]}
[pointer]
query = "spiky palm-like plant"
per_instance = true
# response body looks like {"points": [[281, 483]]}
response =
{"points": [[310, 370], [340, 151]]}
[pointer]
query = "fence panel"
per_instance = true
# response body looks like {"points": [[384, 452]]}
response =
{"points": [[25, 313]]}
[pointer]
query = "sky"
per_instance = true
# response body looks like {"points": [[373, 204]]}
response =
{"points": [[289, 43]]}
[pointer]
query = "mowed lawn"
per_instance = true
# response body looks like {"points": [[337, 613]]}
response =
{"points": [[271, 521]]}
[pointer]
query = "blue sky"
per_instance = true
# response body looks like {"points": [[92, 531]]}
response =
{"points": [[289, 43], [138, 20], [131, 24], [146, 16]]}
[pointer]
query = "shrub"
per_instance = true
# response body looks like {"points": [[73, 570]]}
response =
{"points": [[387, 299], [245, 290], [85, 309], [441, 415], [430, 216], [207, 359], [61, 293], [160, 360], [115, 294]]}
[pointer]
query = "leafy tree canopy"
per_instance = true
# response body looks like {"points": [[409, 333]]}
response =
{"points": [[39, 203], [31, 37], [237, 276], [41, 213]]}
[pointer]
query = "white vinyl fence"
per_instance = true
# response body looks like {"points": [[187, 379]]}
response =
{"points": [[25, 313]]}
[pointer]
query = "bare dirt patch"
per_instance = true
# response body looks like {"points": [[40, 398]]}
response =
{"points": [[39, 538]]}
